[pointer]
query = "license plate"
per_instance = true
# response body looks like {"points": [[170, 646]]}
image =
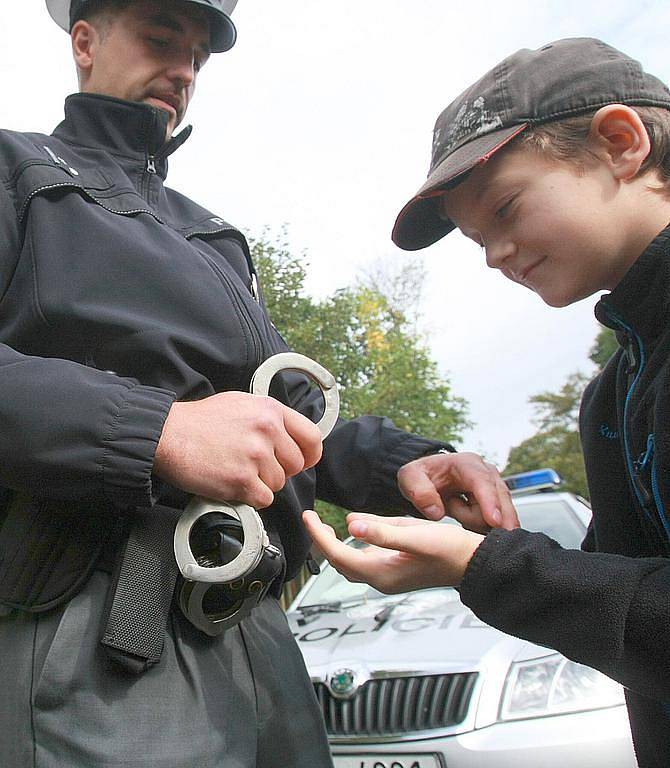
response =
{"points": [[413, 760]]}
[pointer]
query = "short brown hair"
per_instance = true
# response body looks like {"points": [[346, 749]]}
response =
{"points": [[88, 11], [567, 139]]}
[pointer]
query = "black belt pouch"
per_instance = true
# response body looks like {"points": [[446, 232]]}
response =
{"points": [[48, 550]]}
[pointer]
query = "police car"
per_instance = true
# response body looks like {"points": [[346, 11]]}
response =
{"points": [[416, 680]]}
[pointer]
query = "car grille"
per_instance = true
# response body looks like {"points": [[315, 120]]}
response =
{"points": [[397, 705]]}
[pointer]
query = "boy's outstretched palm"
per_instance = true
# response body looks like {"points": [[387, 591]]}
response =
{"points": [[404, 553]]}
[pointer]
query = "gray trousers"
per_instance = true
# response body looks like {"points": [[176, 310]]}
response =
{"points": [[242, 700]]}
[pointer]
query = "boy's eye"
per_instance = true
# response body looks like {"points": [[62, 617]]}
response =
{"points": [[505, 209]]}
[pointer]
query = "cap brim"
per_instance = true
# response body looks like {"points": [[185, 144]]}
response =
{"points": [[223, 31], [419, 223], [59, 10]]}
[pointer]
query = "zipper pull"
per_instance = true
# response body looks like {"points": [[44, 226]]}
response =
{"points": [[646, 456], [253, 288], [631, 357], [151, 165]]}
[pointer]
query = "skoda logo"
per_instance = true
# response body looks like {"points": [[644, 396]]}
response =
{"points": [[343, 683]]}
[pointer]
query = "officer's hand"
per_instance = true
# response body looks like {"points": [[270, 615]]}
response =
{"points": [[461, 485], [404, 553], [235, 446]]}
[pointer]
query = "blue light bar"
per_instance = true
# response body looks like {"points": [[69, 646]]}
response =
{"points": [[536, 480]]}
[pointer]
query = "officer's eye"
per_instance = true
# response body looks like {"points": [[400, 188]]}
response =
{"points": [[159, 42]]}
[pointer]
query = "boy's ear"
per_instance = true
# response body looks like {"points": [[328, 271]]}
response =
{"points": [[621, 139]]}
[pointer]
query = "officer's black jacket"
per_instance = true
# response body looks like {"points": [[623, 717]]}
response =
{"points": [[608, 607], [118, 295]]}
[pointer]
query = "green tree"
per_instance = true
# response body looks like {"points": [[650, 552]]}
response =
{"points": [[367, 337], [556, 444], [560, 409], [603, 347]]}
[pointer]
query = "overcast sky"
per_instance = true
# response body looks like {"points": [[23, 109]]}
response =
{"points": [[321, 118]]}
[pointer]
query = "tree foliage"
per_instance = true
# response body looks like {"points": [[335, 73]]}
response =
{"points": [[560, 410], [366, 335], [556, 444], [603, 347]]}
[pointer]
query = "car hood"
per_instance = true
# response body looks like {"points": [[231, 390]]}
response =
{"points": [[419, 629]]}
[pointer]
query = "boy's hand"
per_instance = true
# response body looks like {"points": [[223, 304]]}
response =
{"points": [[462, 486], [404, 553], [235, 446]]}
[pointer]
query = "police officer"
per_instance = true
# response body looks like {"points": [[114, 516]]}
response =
{"points": [[130, 327]]}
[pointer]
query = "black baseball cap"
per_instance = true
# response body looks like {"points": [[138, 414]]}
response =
{"points": [[223, 32], [560, 80]]}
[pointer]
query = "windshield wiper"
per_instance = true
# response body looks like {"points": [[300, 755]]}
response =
{"points": [[385, 614], [316, 609]]}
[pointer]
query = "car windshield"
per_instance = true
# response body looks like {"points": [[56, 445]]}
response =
{"points": [[551, 516]]}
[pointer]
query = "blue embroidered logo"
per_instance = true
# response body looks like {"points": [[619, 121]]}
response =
{"points": [[609, 434]]}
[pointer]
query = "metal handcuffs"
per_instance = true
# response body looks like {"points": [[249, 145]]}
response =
{"points": [[218, 592]]}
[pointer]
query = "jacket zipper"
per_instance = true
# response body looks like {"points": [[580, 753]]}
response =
{"points": [[147, 176], [637, 486], [150, 166], [644, 497], [657, 494]]}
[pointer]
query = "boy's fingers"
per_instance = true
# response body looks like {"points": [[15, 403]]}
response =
{"points": [[399, 521], [352, 563], [316, 527], [388, 536]]}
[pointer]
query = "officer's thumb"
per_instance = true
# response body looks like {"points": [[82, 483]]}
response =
{"points": [[427, 501]]}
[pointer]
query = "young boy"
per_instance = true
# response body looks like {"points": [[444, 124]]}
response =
{"points": [[557, 162]]}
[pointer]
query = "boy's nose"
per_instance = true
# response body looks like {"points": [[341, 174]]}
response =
{"points": [[497, 251]]}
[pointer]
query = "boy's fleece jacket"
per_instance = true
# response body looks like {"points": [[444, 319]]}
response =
{"points": [[607, 606]]}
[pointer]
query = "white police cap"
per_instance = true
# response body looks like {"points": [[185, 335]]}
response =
{"points": [[223, 32]]}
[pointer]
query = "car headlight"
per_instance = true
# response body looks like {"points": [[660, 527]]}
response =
{"points": [[554, 685]]}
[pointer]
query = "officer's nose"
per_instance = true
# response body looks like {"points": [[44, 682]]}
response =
{"points": [[183, 72]]}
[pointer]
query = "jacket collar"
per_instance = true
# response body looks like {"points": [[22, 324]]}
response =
{"points": [[641, 301], [127, 129]]}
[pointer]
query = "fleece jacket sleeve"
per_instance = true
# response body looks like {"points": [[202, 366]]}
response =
{"points": [[607, 611]]}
